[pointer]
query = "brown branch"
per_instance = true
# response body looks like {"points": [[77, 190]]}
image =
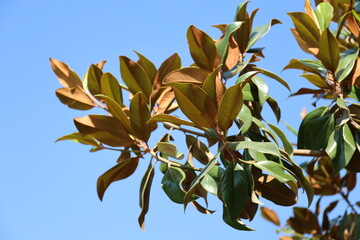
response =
{"points": [[171, 125], [309, 153]]}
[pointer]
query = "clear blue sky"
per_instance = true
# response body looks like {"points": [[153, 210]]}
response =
{"points": [[48, 190]]}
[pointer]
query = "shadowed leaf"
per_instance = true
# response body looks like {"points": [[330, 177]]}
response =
{"points": [[329, 52], [145, 188], [147, 65], [139, 115], [169, 149], [270, 215], [172, 63], [171, 184]]}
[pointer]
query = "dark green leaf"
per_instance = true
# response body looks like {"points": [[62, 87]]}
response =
{"points": [[171, 184], [259, 32], [287, 145], [145, 188], [263, 147], [245, 117], [262, 87], [222, 46], [273, 76], [237, 224]]}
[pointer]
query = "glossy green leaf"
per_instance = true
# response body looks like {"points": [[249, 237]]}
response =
{"points": [[196, 182], [329, 51], [286, 143], [222, 46], [273, 76], [244, 78], [193, 75], [80, 138], [346, 65], [315, 129], [237, 68], [195, 104], [139, 116], [263, 147], [111, 88], [341, 147], [107, 130], [135, 77], [169, 149], [202, 49], [92, 80], [147, 65], [171, 184], [265, 129], [230, 106], [324, 13], [342, 115], [75, 98], [209, 184], [145, 188], [120, 171], [237, 224], [259, 32], [233, 189], [245, 117], [262, 87], [67, 77], [116, 111], [307, 65]]}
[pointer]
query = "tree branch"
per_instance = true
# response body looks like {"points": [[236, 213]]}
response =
{"points": [[309, 153]]}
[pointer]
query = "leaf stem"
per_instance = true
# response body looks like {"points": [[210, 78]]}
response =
{"points": [[183, 129], [345, 197], [309, 153]]}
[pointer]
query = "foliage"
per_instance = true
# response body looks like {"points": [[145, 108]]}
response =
{"points": [[222, 95]]}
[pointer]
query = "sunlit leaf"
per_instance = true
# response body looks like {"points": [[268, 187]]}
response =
{"points": [[111, 88], [306, 28], [222, 46], [214, 87], [139, 115], [286, 143], [186, 75], [245, 117], [329, 52], [273, 76], [79, 138], [67, 77], [172, 63], [122, 170], [92, 79], [75, 98], [147, 65], [170, 119], [324, 13], [259, 32], [169, 149], [263, 147], [262, 88], [346, 65]]}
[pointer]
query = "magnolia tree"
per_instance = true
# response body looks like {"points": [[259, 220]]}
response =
{"points": [[233, 152]]}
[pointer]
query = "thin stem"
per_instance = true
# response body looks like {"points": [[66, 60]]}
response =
{"points": [[345, 197], [183, 129], [309, 153]]}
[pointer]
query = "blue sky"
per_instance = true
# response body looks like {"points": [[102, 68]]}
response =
{"points": [[48, 189]]}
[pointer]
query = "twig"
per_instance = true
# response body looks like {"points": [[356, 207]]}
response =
{"points": [[183, 129], [345, 197], [309, 153]]}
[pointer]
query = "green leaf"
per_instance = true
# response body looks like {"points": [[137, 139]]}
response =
{"points": [[341, 147], [244, 78], [170, 119], [329, 51], [324, 13], [233, 189], [237, 224], [135, 77], [263, 147], [230, 106], [342, 115], [306, 28], [316, 80], [75, 98], [196, 182], [222, 46], [245, 117], [202, 49], [139, 115], [346, 64], [92, 79], [116, 111], [105, 129], [274, 107], [287, 145], [259, 32], [145, 188], [147, 65], [120, 171], [111, 88], [195, 104], [307, 65], [169, 149], [79, 138], [171, 184], [262, 87], [209, 184], [273, 76]]}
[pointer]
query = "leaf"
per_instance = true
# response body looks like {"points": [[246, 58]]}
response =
{"points": [[259, 32], [341, 147], [209, 184], [120, 171], [198, 149], [166, 101], [324, 13], [67, 77], [79, 138], [316, 80], [237, 224], [75, 98], [306, 28], [222, 46], [169, 149], [273, 76], [346, 65], [92, 79], [135, 77], [304, 221], [170, 119], [186, 75], [214, 87], [139, 115], [203, 49], [262, 88], [117, 112], [147, 65], [230, 106], [111, 88], [196, 182], [244, 78], [263, 147], [245, 117], [195, 104], [274, 107], [270, 215], [233, 189], [307, 65], [171, 184], [329, 52], [145, 188], [172, 63], [107, 130]]}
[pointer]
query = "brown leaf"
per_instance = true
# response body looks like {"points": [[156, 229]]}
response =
{"points": [[303, 113], [198, 149], [270, 215], [349, 180], [353, 25], [214, 87], [66, 76], [101, 64], [139, 115], [201, 208], [304, 221], [165, 102], [170, 64], [186, 75], [75, 98], [356, 76], [145, 188], [233, 54], [249, 210], [306, 47], [107, 130], [287, 238]]}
